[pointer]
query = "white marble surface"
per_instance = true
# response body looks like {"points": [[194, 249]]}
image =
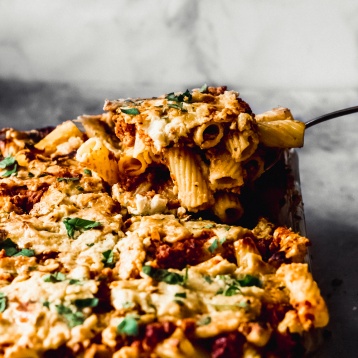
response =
{"points": [[59, 59], [256, 43]]}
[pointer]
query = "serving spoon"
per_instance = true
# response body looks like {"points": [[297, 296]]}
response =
{"points": [[331, 115]]}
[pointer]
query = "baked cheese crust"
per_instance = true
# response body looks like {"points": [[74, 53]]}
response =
{"points": [[96, 261]]}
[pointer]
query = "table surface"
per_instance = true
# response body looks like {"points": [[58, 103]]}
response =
{"points": [[328, 170]]}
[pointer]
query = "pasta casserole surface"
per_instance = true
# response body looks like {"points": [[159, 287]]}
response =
{"points": [[131, 234]]}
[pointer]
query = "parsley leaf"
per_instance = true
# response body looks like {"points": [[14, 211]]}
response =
{"points": [[46, 304], [87, 172], [213, 246], [250, 280], [222, 240], [7, 162], [11, 164], [204, 88], [180, 294], [204, 321], [67, 179], [171, 278], [25, 252], [108, 258], [73, 224], [131, 111], [55, 277], [183, 97], [9, 246], [73, 318], [11, 249], [86, 302], [3, 302], [128, 326], [10, 171]]}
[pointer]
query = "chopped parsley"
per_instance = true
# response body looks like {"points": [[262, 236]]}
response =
{"points": [[67, 179], [180, 294], [128, 326], [86, 302], [131, 111], [108, 259], [203, 88], [55, 277], [25, 252], [3, 302], [75, 224], [171, 278], [46, 304], [73, 318], [7, 162], [87, 172], [213, 246], [74, 281], [203, 321], [208, 279], [233, 285], [250, 280], [10, 164], [11, 249], [183, 97], [222, 240]]}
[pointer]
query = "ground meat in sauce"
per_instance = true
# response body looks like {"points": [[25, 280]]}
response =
{"points": [[181, 253], [228, 345], [157, 332], [285, 345], [125, 132]]}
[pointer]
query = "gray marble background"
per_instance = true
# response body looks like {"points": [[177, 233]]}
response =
{"points": [[60, 59]]}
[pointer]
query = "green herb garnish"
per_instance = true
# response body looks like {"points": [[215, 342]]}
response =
{"points": [[67, 179], [129, 326], [7, 162], [46, 304], [25, 252], [11, 249], [250, 280], [3, 302], [55, 277], [204, 88], [180, 294], [171, 278], [73, 224], [222, 240], [208, 278], [131, 111], [183, 97], [73, 318], [204, 321], [87, 172], [10, 171], [9, 246], [108, 258], [213, 246], [86, 302], [74, 281]]}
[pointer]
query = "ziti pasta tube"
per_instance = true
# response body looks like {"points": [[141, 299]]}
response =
{"points": [[95, 156], [187, 172]]}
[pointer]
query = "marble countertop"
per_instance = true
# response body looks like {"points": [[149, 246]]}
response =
{"points": [[328, 171]]}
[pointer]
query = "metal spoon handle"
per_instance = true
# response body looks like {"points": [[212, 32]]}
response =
{"points": [[326, 117]]}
